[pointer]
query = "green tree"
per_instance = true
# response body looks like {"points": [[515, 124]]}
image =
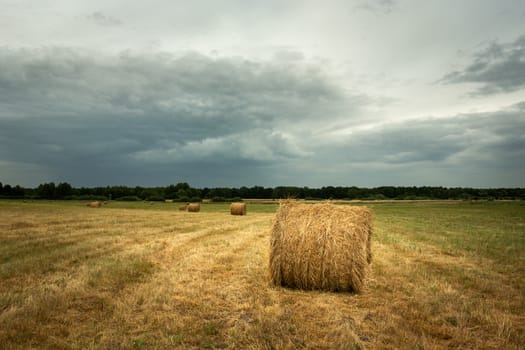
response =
{"points": [[63, 190], [47, 190]]}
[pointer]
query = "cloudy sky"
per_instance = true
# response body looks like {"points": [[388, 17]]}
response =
{"points": [[243, 93]]}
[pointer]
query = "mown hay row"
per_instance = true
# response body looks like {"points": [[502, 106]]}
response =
{"points": [[320, 246], [238, 209]]}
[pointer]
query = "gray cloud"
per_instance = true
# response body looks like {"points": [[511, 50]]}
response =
{"points": [[498, 68], [478, 149], [70, 109], [150, 119], [132, 96]]}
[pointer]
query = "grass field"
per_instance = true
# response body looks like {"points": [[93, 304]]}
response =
{"points": [[445, 275]]}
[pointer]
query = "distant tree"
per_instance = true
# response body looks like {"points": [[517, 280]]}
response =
{"points": [[63, 190], [6, 190], [119, 191], [129, 199], [47, 190], [152, 194], [170, 192], [182, 186], [182, 190], [205, 192], [287, 192], [220, 192], [353, 192], [17, 192]]}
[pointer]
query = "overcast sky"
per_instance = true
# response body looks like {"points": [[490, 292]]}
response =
{"points": [[242, 93]]}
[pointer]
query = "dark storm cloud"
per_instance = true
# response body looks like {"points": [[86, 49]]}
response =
{"points": [[498, 68], [76, 112]]}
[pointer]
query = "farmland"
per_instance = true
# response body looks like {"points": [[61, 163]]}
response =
{"points": [[447, 274]]}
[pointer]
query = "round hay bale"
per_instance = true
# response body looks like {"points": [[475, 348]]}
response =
{"points": [[238, 209], [183, 207], [168, 201], [96, 204], [194, 207], [320, 246]]}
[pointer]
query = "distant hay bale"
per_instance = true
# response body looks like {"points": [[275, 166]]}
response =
{"points": [[194, 207], [168, 201], [96, 204], [183, 207], [320, 246], [238, 209]]}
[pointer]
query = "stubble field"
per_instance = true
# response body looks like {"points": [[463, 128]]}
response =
{"points": [[445, 275]]}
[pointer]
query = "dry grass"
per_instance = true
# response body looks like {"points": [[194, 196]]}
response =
{"points": [[162, 279], [320, 246]]}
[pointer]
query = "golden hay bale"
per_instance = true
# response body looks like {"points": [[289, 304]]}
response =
{"points": [[96, 204], [238, 209], [194, 207], [168, 201], [183, 207], [320, 246]]}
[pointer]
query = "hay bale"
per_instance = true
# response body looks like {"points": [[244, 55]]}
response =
{"points": [[194, 207], [320, 246], [168, 201], [183, 207], [238, 209], [96, 204]]}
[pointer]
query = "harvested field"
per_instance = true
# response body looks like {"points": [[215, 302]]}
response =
{"points": [[131, 275]]}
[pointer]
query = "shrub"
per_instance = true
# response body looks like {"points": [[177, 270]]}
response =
{"points": [[155, 198], [88, 197], [184, 199], [128, 199]]}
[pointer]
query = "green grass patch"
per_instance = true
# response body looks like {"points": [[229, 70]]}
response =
{"points": [[494, 230]]}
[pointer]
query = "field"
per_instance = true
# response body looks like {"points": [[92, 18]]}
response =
{"points": [[445, 275]]}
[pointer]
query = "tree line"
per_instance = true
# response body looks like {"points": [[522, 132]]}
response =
{"points": [[183, 192]]}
